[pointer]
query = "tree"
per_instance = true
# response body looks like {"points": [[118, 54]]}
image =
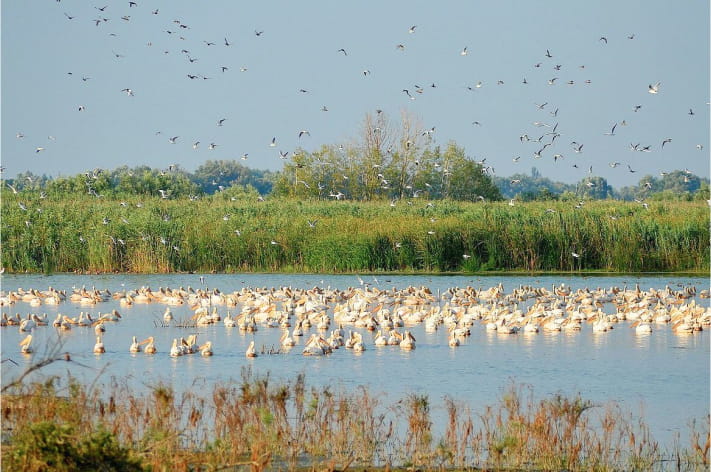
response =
{"points": [[595, 188], [215, 175], [465, 179]]}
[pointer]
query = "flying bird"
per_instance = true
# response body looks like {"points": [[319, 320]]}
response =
{"points": [[654, 88], [668, 140]]}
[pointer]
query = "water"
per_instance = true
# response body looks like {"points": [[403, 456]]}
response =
{"points": [[663, 376]]}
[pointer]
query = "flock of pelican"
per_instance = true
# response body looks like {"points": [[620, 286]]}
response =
{"points": [[390, 314]]}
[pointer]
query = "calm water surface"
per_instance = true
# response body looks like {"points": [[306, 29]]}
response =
{"points": [[663, 376]]}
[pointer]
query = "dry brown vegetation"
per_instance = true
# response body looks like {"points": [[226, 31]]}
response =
{"points": [[265, 425]]}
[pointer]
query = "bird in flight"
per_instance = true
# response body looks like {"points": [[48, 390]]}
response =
{"points": [[612, 131], [304, 132], [668, 140], [654, 88], [173, 139], [412, 29], [343, 51]]}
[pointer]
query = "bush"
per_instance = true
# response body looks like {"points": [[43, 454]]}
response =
{"points": [[45, 446]]}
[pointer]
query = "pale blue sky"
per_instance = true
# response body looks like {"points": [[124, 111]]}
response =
{"points": [[299, 50]]}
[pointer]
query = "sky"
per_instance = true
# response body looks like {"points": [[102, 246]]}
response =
{"points": [[67, 65]]}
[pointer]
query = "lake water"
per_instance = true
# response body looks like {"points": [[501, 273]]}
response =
{"points": [[665, 376]]}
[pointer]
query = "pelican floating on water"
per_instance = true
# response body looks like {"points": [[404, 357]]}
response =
{"points": [[150, 346], [206, 349], [99, 346], [251, 351], [26, 345], [135, 346]]}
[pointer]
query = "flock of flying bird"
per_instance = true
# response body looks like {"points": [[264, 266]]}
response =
{"points": [[542, 139], [390, 315]]}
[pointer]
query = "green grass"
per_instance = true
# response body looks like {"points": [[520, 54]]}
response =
{"points": [[179, 236]]}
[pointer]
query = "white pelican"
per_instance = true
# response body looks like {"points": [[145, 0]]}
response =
{"points": [[175, 350], [229, 321], [286, 340], [168, 315], [358, 345], [150, 347], [27, 324], [66, 323], [642, 327], [350, 341], [99, 346], [380, 340], [315, 346], [251, 351], [453, 341], [206, 349], [135, 346], [408, 341], [26, 345]]}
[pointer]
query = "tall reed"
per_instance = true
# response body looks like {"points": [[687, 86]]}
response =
{"points": [[214, 234]]}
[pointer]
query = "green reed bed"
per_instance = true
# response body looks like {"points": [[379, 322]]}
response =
{"points": [[214, 234], [262, 424]]}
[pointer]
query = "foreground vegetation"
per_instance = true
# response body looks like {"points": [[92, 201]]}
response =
{"points": [[62, 425], [231, 232]]}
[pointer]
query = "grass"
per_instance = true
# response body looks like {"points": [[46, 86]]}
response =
{"points": [[261, 424], [214, 234]]}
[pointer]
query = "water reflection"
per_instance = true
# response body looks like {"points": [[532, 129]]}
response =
{"points": [[643, 340]]}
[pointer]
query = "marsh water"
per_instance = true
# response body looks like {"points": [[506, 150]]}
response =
{"points": [[662, 376]]}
